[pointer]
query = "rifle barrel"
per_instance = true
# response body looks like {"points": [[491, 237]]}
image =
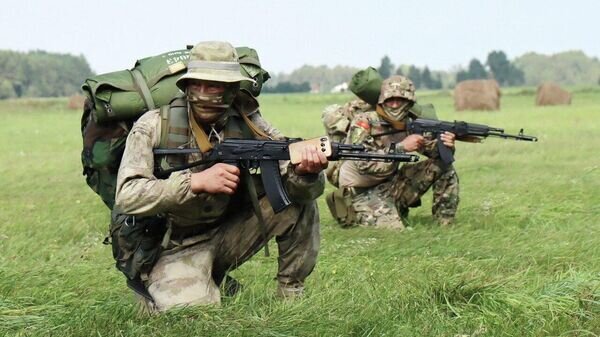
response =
{"points": [[379, 157], [175, 151], [516, 137]]}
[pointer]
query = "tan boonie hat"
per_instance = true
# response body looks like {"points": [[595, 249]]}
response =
{"points": [[397, 86], [213, 61]]}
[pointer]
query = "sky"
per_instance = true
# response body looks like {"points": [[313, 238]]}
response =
{"points": [[112, 34]]}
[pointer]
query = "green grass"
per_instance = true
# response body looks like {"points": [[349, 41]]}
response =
{"points": [[522, 260]]}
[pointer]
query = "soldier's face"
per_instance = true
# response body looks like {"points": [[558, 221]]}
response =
{"points": [[395, 102], [396, 107], [207, 87], [209, 100]]}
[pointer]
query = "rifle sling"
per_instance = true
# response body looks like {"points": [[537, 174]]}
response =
{"points": [[255, 129], [256, 206], [199, 134]]}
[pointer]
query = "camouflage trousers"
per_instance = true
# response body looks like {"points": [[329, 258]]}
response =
{"points": [[386, 204], [192, 275]]}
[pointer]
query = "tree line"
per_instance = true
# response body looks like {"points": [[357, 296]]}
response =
{"points": [[567, 68], [41, 74], [497, 66], [422, 78]]}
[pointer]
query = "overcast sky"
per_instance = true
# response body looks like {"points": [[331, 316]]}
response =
{"points": [[112, 34]]}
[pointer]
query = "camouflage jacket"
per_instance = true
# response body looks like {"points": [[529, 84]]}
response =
{"points": [[364, 124], [139, 192]]}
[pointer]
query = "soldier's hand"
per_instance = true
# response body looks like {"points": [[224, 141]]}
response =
{"points": [[448, 139], [313, 161], [219, 178], [413, 143]]}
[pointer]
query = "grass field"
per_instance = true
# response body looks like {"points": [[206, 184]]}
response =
{"points": [[522, 260]]}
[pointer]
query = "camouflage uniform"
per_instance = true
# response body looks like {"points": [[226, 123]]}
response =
{"points": [[381, 193], [211, 234]]}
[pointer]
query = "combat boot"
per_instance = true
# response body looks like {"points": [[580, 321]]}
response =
{"points": [[290, 291], [231, 286], [444, 221]]}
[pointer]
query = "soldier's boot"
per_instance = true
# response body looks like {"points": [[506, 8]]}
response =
{"points": [[290, 291], [145, 306], [231, 286], [330, 199], [403, 213], [339, 203], [445, 221]]}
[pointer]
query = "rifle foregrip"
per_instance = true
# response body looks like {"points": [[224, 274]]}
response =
{"points": [[271, 179]]}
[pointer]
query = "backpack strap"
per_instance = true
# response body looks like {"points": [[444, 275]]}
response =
{"points": [[142, 89], [246, 105], [175, 131]]}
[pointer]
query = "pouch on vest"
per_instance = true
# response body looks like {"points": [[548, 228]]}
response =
{"points": [[136, 242]]}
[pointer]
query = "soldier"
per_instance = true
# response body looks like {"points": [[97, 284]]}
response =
{"points": [[210, 229], [379, 193]]}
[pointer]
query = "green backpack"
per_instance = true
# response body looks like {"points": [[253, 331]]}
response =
{"points": [[366, 85]]}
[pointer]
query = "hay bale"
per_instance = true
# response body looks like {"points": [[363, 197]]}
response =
{"points": [[477, 95], [550, 93], [76, 102]]}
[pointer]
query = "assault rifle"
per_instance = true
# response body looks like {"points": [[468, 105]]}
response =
{"points": [[266, 154], [468, 132]]}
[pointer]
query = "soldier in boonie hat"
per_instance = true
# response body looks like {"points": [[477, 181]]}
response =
{"points": [[216, 218]]}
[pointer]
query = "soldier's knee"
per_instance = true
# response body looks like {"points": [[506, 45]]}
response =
{"points": [[184, 278]]}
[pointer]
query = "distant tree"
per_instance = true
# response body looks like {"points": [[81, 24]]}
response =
{"points": [[504, 72], [516, 76], [39, 73], [322, 76], [426, 80], [6, 89], [386, 68], [415, 75], [399, 71], [462, 75], [288, 87], [567, 68], [476, 70], [437, 82]]}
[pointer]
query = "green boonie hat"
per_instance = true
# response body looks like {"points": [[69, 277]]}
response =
{"points": [[213, 61], [397, 86]]}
